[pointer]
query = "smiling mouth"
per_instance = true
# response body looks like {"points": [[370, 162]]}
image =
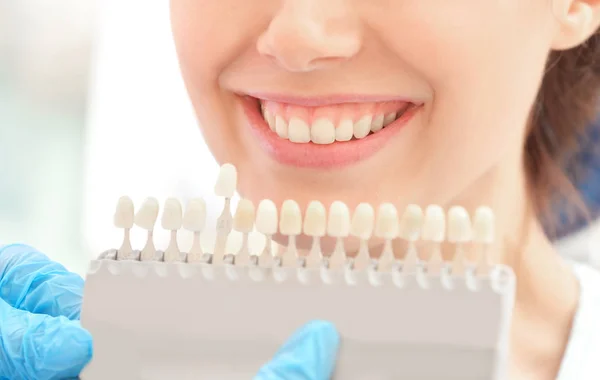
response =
{"points": [[328, 135], [329, 124]]}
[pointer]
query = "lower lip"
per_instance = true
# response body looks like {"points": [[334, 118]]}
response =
{"points": [[310, 155]]}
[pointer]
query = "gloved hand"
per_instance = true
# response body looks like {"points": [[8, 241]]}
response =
{"points": [[40, 301], [310, 354], [40, 336]]}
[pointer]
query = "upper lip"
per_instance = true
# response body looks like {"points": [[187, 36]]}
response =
{"points": [[328, 100]]}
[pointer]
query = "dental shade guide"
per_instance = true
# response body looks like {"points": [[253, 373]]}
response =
{"points": [[172, 221], [146, 218], [266, 224], [387, 228], [123, 219], [189, 312], [243, 223], [225, 187], [314, 226], [361, 227], [433, 233], [194, 220], [338, 227], [290, 224]]}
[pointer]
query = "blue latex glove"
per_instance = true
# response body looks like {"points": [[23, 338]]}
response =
{"points": [[310, 354], [40, 301], [40, 336]]}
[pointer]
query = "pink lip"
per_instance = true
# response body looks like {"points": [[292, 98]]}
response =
{"points": [[317, 156], [326, 100]]}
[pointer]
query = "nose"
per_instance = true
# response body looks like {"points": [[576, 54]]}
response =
{"points": [[307, 35]]}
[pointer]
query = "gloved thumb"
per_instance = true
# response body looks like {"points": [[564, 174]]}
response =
{"points": [[38, 346], [310, 354]]}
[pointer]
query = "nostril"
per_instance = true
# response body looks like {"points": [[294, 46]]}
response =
{"points": [[296, 63], [327, 61], [271, 58]]}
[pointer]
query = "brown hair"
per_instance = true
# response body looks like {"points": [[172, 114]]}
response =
{"points": [[566, 105]]}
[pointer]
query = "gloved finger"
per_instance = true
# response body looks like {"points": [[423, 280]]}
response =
{"points": [[310, 354], [36, 346], [30, 281]]}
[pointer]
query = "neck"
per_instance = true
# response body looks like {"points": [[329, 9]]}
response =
{"points": [[546, 301], [547, 290]]}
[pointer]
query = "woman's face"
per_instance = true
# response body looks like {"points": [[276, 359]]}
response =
{"points": [[408, 101]]}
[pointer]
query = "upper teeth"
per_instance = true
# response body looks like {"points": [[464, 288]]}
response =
{"points": [[324, 130]]}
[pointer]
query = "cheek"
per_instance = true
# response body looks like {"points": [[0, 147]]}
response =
{"points": [[208, 35], [212, 36], [208, 38], [484, 61]]}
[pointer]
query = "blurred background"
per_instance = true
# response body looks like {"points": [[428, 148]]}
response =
{"points": [[92, 108], [45, 55]]}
